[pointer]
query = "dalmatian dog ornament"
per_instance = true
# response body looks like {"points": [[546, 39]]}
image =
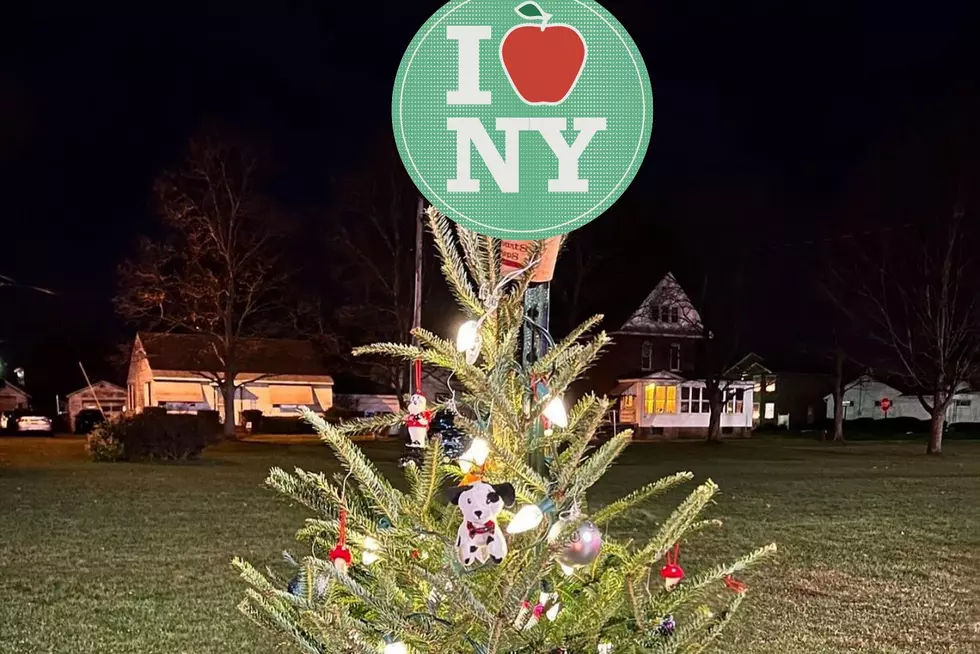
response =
{"points": [[479, 537]]}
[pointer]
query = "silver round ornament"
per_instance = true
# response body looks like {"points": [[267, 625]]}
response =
{"points": [[583, 546]]}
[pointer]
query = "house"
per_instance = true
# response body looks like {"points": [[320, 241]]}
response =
{"points": [[863, 399], [650, 370], [177, 372], [787, 394], [13, 397], [364, 396], [661, 334], [111, 398]]}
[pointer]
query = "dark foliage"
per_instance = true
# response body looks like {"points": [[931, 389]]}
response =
{"points": [[157, 436]]}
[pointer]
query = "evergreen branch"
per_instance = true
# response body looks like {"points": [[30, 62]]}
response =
{"points": [[585, 427], [692, 644], [597, 464], [674, 527], [452, 266], [472, 255], [545, 364], [383, 495], [370, 425], [430, 479], [642, 494]]}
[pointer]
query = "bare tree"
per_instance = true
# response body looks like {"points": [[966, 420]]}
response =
{"points": [[918, 303], [217, 270], [372, 260]]}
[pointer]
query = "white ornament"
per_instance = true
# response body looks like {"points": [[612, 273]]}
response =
{"points": [[478, 538]]}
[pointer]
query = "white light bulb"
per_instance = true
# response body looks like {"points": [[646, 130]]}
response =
{"points": [[370, 554], [567, 569], [475, 456], [528, 517], [467, 336], [553, 612], [605, 648], [555, 531], [397, 647], [555, 412]]}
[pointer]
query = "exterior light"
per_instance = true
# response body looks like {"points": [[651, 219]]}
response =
{"points": [[529, 516]]}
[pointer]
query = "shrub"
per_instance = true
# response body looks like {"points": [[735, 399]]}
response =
{"points": [[210, 422], [103, 443], [286, 425], [152, 436]]}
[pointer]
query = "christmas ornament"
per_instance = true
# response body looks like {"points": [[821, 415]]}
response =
{"points": [[604, 648], [454, 441], [672, 573], [418, 420], [370, 553], [478, 537], [734, 585], [667, 626], [583, 548], [530, 516], [393, 646], [340, 556]]}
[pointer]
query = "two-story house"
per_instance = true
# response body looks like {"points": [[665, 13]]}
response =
{"points": [[786, 394], [650, 369]]}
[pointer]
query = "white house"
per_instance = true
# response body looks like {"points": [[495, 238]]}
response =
{"points": [[863, 399], [111, 398], [175, 372]]}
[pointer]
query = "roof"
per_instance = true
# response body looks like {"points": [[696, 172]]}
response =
{"points": [[16, 389], [686, 321], [99, 385], [265, 356]]}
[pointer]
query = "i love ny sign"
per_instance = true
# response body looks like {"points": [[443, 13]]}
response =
{"points": [[522, 120]]}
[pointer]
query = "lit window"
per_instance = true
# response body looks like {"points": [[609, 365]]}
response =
{"points": [[757, 384], [736, 401], [626, 402], [146, 399], [694, 400], [770, 410], [675, 357], [646, 356], [659, 399], [771, 385], [755, 411]]}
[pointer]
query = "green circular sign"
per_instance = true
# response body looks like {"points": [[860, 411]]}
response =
{"points": [[522, 120]]}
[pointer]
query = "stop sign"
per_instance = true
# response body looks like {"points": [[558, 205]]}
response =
{"points": [[885, 404]]}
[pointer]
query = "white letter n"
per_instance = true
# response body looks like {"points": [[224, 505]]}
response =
{"points": [[468, 57], [505, 170]]}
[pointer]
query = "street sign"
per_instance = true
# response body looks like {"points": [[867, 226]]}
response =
{"points": [[885, 404], [522, 120]]}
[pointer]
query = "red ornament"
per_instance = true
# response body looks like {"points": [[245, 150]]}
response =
{"points": [[734, 585], [672, 573], [340, 556], [415, 554]]}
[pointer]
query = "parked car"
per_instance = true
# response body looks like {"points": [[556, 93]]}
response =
{"points": [[32, 422], [87, 419]]}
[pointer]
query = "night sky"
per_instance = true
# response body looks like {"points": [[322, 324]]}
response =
{"points": [[776, 123]]}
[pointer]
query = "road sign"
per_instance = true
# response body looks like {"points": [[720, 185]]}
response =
{"points": [[522, 120], [885, 404]]}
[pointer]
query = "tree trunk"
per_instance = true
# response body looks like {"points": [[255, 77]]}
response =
{"points": [[228, 391], [714, 419], [936, 426]]}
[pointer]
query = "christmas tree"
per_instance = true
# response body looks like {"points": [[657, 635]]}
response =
{"points": [[500, 551]]}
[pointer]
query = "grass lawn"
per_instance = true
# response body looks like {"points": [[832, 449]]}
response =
{"points": [[879, 545]]}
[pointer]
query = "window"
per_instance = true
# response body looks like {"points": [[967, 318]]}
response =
{"points": [[646, 356], [694, 400], [959, 402], [736, 401], [659, 399], [755, 411], [771, 385], [626, 402], [146, 398], [664, 313], [675, 357], [675, 315], [770, 410], [757, 384]]}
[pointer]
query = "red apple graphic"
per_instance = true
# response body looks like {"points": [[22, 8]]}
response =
{"points": [[543, 61]]}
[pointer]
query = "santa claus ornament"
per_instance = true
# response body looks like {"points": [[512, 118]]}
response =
{"points": [[418, 420], [478, 537]]}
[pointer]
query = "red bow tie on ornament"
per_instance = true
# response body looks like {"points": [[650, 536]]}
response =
{"points": [[488, 528]]}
